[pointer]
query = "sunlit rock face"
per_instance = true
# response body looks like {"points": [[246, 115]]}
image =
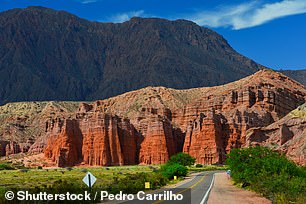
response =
{"points": [[287, 135], [149, 125]]}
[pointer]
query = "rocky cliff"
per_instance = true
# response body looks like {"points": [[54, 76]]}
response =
{"points": [[101, 140], [26, 126], [98, 138], [149, 125], [287, 135], [218, 121], [205, 122]]}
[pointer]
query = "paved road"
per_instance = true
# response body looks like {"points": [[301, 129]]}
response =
{"points": [[199, 186], [193, 191]]}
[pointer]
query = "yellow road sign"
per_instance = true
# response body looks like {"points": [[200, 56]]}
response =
{"points": [[147, 185]]}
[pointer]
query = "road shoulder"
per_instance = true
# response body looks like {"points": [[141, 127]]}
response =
{"points": [[223, 190]]}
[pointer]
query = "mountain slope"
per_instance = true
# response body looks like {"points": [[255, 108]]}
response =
{"points": [[298, 75], [53, 55]]}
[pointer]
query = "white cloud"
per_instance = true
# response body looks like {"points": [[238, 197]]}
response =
{"points": [[122, 17], [88, 1], [249, 14]]}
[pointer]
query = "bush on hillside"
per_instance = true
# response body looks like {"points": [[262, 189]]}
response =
{"points": [[182, 159], [269, 173], [170, 170], [6, 167]]}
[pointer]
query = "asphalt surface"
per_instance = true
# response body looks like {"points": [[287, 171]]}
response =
{"points": [[193, 191]]}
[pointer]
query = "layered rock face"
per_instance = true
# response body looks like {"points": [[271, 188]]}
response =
{"points": [[149, 125], [218, 121], [98, 138], [287, 135], [27, 126], [159, 142], [205, 123], [66, 147], [204, 139], [102, 140]]}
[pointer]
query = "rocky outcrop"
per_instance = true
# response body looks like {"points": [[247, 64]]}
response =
{"points": [[218, 121], [65, 148], [149, 125], [27, 126], [159, 142], [287, 135], [102, 140], [3, 148], [11, 147], [204, 139], [209, 121]]}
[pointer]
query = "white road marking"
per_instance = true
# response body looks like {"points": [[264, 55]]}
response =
{"points": [[207, 192]]}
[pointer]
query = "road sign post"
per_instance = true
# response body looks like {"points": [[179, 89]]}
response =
{"points": [[90, 180], [89, 185]]}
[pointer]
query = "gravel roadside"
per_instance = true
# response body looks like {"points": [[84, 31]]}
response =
{"points": [[224, 191]]}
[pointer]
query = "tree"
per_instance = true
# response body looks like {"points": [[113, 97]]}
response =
{"points": [[170, 170], [182, 159]]}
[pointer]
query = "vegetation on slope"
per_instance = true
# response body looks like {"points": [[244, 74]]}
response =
{"points": [[268, 173]]}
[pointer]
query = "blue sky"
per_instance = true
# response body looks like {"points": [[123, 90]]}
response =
{"points": [[271, 32]]}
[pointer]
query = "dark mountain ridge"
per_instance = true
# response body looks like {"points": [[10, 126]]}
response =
{"points": [[53, 55], [298, 75]]}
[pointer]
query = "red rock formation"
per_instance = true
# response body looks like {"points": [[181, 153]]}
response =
{"points": [[256, 104], [27, 126], [212, 120], [287, 135], [151, 124], [159, 142], [66, 148], [204, 139], [3, 145], [11, 147], [100, 140], [129, 141], [101, 144]]}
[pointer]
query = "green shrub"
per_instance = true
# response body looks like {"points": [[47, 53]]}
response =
{"points": [[268, 173], [199, 165], [39, 167], [170, 170], [6, 167], [182, 159]]}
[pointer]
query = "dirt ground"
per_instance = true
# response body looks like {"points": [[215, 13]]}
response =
{"points": [[224, 191]]}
